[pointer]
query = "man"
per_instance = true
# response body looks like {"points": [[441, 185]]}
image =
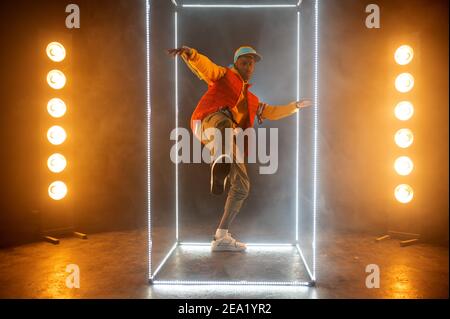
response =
{"points": [[228, 104]]}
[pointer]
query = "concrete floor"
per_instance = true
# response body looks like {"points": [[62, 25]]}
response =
{"points": [[114, 265], [256, 264]]}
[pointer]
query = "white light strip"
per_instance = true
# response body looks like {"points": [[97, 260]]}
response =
{"points": [[175, 3], [297, 157], [248, 245], [164, 260], [304, 262], [239, 5], [149, 215], [316, 125], [232, 283], [176, 124]]}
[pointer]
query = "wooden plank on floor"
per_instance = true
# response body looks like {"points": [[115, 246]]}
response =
{"points": [[408, 242]]}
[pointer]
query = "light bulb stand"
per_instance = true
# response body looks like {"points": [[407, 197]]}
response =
{"points": [[53, 235], [406, 239]]}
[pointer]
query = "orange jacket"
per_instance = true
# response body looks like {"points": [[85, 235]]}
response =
{"points": [[225, 93], [211, 73]]}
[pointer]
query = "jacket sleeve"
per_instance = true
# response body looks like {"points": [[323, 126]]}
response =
{"points": [[276, 112], [203, 67]]}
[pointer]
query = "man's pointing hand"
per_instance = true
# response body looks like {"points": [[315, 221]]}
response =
{"points": [[180, 51]]}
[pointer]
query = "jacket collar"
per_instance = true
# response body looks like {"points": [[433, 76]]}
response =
{"points": [[232, 68]]}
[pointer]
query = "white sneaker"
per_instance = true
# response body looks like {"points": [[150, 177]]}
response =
{"points": [[227, 243]]}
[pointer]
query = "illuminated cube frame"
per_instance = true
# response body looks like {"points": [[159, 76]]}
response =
{"points": [[311, 272]]}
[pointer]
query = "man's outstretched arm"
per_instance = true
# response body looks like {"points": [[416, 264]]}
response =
{"points": [[277, 112], [199, 64]]}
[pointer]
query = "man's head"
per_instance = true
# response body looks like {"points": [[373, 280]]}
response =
{"points": [[244, 61]]}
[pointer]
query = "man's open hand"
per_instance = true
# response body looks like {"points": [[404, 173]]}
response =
{"points": [[180, 51], [304, 103]]}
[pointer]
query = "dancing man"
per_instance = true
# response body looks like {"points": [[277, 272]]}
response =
{"points": [[228, 104]]}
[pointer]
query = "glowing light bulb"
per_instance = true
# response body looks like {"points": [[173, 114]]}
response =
{"points": [[404, 110], [56, 51], [56, 135], [404, 82], [56, 163], [56, 108], [404, 55], [404, 138], [403, 165], [57, 190], [56, 79], [404, 193]]}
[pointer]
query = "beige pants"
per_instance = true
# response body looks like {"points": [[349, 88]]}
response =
{"points": [[238, 179]]}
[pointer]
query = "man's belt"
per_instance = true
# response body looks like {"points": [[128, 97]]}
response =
{"points": [[225, 110]]}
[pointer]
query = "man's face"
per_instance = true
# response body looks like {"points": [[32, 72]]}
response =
{"points": [[245, 65]]}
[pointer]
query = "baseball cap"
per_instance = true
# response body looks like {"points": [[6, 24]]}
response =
{"points": [[247, 50]]}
